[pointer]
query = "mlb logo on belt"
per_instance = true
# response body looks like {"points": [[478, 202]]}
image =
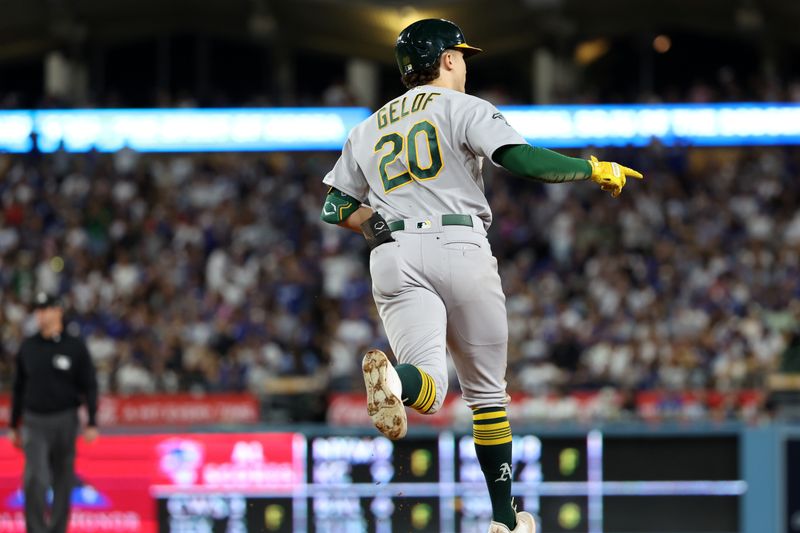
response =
{"points": [[424, 225]]}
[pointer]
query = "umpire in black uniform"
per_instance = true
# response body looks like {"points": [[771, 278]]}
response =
{"points": [[54, 374]]}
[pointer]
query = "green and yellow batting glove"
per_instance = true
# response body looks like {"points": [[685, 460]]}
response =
{"points": [[611, 176]]}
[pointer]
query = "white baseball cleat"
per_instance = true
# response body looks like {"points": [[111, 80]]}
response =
{"points": [[384, 389], [525, 524]]}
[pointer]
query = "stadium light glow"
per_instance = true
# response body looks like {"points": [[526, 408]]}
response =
{"points": [[286, 129]]}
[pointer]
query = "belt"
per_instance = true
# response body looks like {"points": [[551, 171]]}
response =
{"points": [[447, 220]]}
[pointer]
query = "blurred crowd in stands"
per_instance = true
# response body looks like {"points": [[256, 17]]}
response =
{"points": [[214, 273], [724, 86]]}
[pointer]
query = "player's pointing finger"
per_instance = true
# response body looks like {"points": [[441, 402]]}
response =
{"points": [[631, 173]]}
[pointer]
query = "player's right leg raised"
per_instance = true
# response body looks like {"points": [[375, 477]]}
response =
{"points": [[419, 389], [390, 389], [384, 395]]}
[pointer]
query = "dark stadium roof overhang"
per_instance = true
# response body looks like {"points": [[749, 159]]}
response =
{"points": [[367, 28]]}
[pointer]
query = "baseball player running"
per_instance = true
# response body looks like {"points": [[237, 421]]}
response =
{"points": [[409, 179]]}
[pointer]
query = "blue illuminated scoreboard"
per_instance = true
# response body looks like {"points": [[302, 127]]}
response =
{"points": [[638, 125], [312, 129], [180, 130]]}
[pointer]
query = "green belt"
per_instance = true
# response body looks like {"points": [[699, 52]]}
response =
{"points": [[447, 220]]}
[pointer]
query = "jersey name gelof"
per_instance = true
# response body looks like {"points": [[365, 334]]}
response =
{"points": [[389, 114]]}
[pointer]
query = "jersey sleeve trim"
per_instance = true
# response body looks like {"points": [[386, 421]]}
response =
{"points": [[346, 175], [343, 189], [486, 128]]}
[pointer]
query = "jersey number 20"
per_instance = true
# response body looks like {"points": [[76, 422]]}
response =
{"points": [[415, 171]]}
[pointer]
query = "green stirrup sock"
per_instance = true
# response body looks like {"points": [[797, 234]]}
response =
{"points": [[492, 435], [419, 391]]}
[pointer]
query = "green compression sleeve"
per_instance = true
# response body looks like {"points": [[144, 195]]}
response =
{"points": [[541, 164], [338, 206]]}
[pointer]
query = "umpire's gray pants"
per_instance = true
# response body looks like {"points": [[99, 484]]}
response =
{"points": [[49, 444]]}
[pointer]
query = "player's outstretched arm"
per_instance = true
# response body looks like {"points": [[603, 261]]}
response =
{"points": [[544, 165], [541, 164]]}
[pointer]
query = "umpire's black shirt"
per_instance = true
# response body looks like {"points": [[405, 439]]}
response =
{"points": [[53, 374]]}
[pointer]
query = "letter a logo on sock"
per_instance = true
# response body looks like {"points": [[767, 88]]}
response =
{"points": [[505, 472]]}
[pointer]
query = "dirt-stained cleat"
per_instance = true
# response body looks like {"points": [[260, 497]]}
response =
{"points": [[525, 524], [384, 389]]}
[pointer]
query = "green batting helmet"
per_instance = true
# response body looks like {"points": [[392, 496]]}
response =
{"points": [[420, 44]]}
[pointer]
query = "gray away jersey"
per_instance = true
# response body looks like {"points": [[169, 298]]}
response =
{"points": [[421, 154]]}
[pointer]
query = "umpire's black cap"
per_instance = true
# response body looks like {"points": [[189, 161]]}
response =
{"points": [[44, 300]]}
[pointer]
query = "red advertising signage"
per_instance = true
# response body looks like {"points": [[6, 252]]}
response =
{"points": [[167, 409], [118, 476], [351, 409]]}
